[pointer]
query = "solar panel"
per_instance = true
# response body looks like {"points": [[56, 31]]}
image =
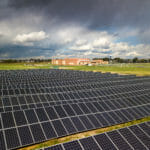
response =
{"points": [[78, 124], [59, 128], [69, 125], [87, 123], [49, 130], [8, 120], [132, 139], [89, 143], [72, 145], [25, 135], [37, 133], [57, 147], [54, 103], [20, 118], [2, 142], [12, 138], [31, 116], [41, 114], [120, 139]]}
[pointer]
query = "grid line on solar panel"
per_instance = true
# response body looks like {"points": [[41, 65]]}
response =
{"points": [[103, 121], [132, 139], [95, 106], [37, 82], [144, 139], [40, 92], [71, 92], [110, 140]]}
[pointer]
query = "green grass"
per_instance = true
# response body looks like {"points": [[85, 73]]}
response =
{"points": [[138, 69], [20, 66]]}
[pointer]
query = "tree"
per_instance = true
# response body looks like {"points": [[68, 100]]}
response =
{"points": [[135, 60]]}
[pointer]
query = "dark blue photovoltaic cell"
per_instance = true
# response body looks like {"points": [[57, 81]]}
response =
{"points": [[86, 122], [89, 143], [74, 145], [2, 142], [77, 109], [8, 120], [51, 113], [57, 147], [145, 128], [59, 128], [41, 114], [119, 141], [49, 130], [78, 124], [69, 110], [20, 118], [31, 116], [68, 125], [104, 142], [12, 138], [141, 135], [60, 111], [136, 144], [37, 133], [25, 135]]}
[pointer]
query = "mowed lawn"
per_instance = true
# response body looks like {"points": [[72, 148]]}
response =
{"points": [[21, 66], [140, 69]]}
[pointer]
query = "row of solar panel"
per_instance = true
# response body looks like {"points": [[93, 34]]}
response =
{"points": [[56, 112], [85, 93], [40, 131], [107, 103], [101, 86], [72, 79], [53, 83], [92, 83], [13, 79], [51, 72], [59, 76], [34, 133], [71, 95], [135, 137], [21, 128], [56, 74]]}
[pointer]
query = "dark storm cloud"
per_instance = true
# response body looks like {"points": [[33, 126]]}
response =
{"points": [[18, 17], [93, 13], [10, 51]]}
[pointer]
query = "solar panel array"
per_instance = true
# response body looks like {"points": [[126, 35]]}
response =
{"points": [[38, 105], [130, 138]]}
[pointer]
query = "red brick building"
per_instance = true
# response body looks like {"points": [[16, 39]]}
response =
{"points": [[77, 61], [71, 61]]}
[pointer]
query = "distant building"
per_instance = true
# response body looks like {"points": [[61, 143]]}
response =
{"points": [[98, 62], [71, 61], [77, 61]]}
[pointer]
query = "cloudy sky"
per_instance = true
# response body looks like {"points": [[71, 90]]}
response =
{"points": [[74, 28]]}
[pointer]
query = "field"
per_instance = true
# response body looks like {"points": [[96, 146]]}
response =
{"points": [[82, 104], [138, 69]]}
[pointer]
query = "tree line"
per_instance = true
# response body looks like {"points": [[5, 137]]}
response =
{"points": [[24, 60], [111, 60], [121, 60]]}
